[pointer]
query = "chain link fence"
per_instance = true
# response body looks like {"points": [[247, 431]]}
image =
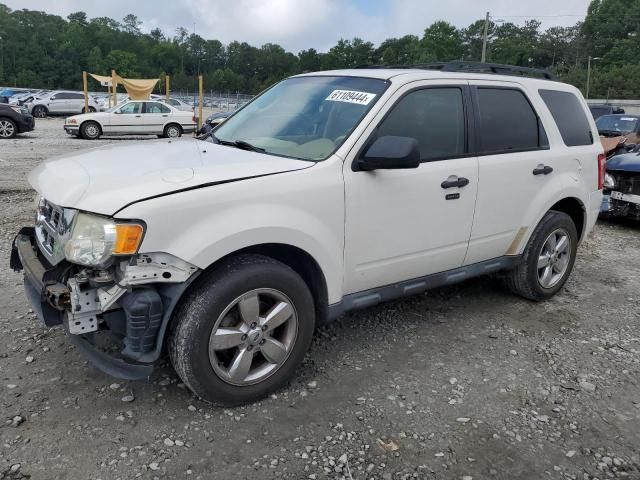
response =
{"points": [[217, 101]]}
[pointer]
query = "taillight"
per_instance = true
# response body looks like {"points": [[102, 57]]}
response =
{"points": [[602, 161]]}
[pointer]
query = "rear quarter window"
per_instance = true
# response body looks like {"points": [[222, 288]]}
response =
{"points": [[568, 113]]}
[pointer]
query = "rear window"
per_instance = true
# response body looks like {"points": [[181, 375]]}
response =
{"points": [[508, 122], [568, 113], [617, 124]]}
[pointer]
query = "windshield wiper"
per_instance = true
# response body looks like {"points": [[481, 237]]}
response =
{"points": [[241, 144], [247, 146], [610, 133]]}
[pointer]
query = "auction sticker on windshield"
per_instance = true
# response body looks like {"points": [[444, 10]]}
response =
{"points": [[351, 96]]}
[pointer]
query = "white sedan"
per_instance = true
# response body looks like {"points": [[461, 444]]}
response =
{"points": [[133, 117]]}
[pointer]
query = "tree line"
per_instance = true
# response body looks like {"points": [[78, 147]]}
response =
{"points": [[47, 51]]}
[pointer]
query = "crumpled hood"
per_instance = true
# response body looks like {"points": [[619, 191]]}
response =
{"points": [[105, 179], [627, 162]]}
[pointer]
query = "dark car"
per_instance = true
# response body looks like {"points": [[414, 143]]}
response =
{"points": [[600, 109], [625, 125], [622, 186], [15, 120], [212, 121]]}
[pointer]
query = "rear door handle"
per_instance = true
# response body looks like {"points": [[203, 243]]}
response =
{"points": [[542, 170], [454, 181], [138, 116]]}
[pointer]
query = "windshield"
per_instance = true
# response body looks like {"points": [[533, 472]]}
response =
{"points": [[305, 117], [615, 123]]}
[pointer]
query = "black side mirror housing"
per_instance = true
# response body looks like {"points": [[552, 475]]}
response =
{"points": [[389, 152]]}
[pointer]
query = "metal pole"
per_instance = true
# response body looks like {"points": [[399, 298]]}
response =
{"points": [[200, 101], [484, 38], [588, 77], [114, 87], [86, 92]]}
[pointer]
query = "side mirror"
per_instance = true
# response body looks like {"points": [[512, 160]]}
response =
{"points": [[389, 152]]}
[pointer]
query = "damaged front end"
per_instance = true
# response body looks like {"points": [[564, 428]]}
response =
{"points": [[117, 312], [622, 186]]}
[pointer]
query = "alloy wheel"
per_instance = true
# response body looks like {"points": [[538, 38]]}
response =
{"points": [[253, 337], [554, 258], [7, 129]]}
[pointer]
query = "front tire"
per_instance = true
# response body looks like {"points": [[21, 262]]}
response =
{"points": [[548, 258], [8, 128], [90, 110], [90, 130], [242, 331]]}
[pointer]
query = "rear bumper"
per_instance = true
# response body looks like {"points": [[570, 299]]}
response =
{"points": [[593, 210]]}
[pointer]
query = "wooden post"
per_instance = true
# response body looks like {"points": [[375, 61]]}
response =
{"points": [[113, 87], [86, 92], [200, 101], [166, 87]]}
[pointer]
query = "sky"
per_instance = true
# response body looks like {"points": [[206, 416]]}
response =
{"points": [[319, 24]]}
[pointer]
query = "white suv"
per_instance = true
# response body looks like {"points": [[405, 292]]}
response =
{"points": [[329, 192], [60, 103]]}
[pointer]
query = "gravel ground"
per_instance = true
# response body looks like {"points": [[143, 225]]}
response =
{"points": [[466, 382]]}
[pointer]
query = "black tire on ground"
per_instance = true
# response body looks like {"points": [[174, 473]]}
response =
{"points": [[173, 130], [40, 111], [8, 128], [91, 110], [90, 130], [525, 280], [212, 294]]}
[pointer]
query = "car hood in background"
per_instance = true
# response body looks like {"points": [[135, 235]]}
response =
{"points": [[626, 162], [105, 179]]}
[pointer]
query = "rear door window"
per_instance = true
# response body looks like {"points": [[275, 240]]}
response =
{"points": [[568, 113], [507, 122]]}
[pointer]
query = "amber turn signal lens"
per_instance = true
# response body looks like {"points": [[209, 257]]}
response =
{"points": [[128, 238]]}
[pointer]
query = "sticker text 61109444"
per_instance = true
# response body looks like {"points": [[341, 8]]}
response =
{"points": [[351, 96]]}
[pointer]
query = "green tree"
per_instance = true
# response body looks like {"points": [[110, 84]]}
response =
{"points": [[440, 42]]}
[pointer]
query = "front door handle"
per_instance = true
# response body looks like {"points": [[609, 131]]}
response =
{"points": [[542, 170], [138, 116], [454, 181]]}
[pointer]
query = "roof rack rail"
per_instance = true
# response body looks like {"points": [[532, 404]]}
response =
{"points": [[477, 67]]}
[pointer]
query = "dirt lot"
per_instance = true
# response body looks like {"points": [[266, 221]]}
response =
{"points": [[460, 383]]}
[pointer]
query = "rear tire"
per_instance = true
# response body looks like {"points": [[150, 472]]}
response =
{"points": [[90, 130], [90, 110], [40, 112], [8, 128], [213, 331], [548, 258], [172, 131]]}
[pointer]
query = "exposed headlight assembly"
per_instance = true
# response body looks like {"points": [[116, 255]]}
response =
{"points": [[94, 239], [609, 181]]}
